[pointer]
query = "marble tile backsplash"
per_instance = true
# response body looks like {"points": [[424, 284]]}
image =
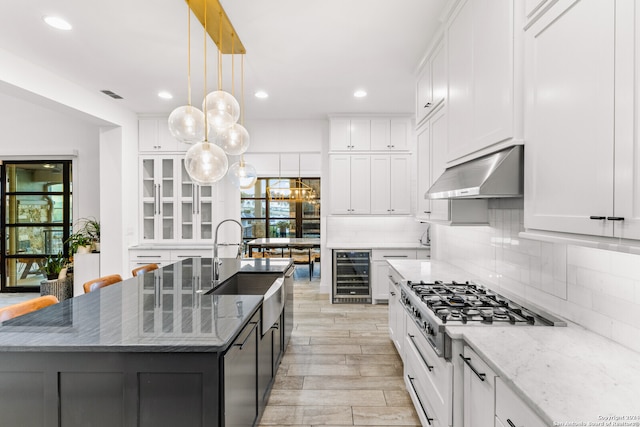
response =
{"points": [[370, 229], [596, 288]]}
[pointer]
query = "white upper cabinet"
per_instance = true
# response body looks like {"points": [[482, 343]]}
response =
{"points": [[350, 134], [390, 183], [350, 184], [480, 58], [154, 135], [389, 134], [582, 154], [431, 88]]}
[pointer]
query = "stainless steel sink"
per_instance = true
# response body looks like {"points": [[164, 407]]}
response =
{"points": [[268, 285]]}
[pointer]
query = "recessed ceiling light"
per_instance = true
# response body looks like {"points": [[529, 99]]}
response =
{"points": [[261, 94], [360, 94], [165, 95], [57, 22]]}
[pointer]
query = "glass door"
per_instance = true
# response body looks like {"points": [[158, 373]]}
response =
{"points": [[35, 218]]}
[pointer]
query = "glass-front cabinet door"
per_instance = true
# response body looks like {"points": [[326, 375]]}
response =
{"points": [[158, 198], [174, 208], [196, 208]]}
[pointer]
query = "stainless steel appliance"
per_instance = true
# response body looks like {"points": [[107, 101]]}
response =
{"points": [[351, 276], [434, 305], [433, 361]]}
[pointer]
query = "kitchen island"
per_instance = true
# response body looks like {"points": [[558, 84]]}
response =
{"points": [[153, 350]]}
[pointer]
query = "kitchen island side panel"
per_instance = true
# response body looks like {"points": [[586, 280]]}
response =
{"points": [[108, 389]]}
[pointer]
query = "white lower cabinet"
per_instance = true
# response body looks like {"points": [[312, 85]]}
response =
{"points": [[429, 379], [512, 411], [139, 257], [380, 279], [397, 326], [162, 257], [479, 390]]}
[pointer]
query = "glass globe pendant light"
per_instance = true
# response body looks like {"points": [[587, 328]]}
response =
{"points": [[206, 163], [235, 140], [222, 108], [242, 175], [186, 123]]}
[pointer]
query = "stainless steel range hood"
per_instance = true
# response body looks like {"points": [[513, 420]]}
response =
{"points": [[495, 175]]}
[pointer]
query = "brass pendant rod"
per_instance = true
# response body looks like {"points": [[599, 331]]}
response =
{"points": [[189, 55], [206, 124], [242, 90], [233, 73], [220, 55]]}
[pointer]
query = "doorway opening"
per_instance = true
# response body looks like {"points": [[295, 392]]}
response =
{"points": [[35, 220]]}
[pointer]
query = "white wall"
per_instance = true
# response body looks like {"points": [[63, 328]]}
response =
{"points": [[30, 131], [77, 111], [596, 288]]}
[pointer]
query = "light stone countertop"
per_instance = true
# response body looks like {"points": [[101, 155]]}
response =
{"points": [[378, 245], [565, 374]]}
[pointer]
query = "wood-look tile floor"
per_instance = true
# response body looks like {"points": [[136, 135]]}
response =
{"points": [[340, 369]]}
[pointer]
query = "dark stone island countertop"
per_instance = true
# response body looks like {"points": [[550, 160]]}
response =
{"points": [[166, 310]]}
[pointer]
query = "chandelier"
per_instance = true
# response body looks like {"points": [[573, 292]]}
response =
{"points": [[207, 162], [286, 190]]}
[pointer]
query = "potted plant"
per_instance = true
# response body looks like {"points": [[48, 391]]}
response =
{"points": [[91, 227], [56, 284], [79, 242], [86, 237]]}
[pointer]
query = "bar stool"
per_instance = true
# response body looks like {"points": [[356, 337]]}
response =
{"points": [[144, 269], [24, 307], [101, 282]]}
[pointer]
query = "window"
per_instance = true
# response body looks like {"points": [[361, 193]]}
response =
{"points": [[262, 217], [35, 219]]}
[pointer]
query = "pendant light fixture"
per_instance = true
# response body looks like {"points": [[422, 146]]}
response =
{"points": [[206, 163], [186, 123], [283, 190], [222, 108], [234, 140]]}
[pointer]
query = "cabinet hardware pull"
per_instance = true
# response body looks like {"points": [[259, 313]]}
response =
{"points": [[510, 423], [419, 400], [241, 345], [392, 281], [413, 340], [615, 218], [193, 199], [427, 212], [393, 294], [467, 360], [428, 104], [597, 217]]}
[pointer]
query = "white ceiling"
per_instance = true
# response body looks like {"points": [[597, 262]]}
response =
{"points": [[309, 55]]}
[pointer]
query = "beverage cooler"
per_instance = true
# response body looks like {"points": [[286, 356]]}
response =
{"points": [[351, 276]]}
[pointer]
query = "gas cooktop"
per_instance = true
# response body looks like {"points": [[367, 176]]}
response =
{"points": [[435, 305], [469, 303]]}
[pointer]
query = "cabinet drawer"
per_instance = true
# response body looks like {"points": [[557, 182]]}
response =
{"points": [[384, 254], [180, 254], [147, 256], [435, 374], [510, 408]]}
